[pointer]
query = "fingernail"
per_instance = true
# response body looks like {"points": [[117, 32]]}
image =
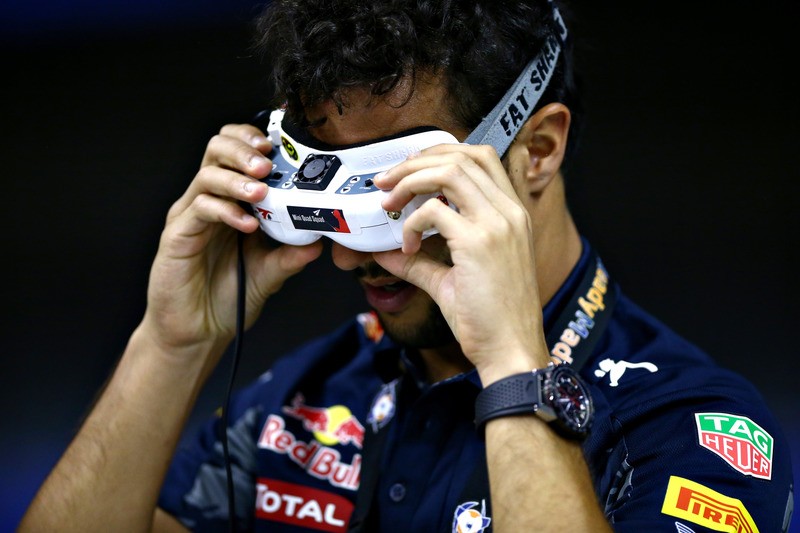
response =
{"points": [[380, 175], [258, 140], [256, 160], [248, 186], [413, 155]]}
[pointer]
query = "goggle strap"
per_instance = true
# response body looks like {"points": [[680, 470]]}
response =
{"points": [[502, 124]]}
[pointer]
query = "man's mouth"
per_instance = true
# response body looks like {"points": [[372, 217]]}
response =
{"points": [[389, 295], [391, 285]]}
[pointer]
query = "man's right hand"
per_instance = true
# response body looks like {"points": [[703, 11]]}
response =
{"points": [[122, 452], [192, 291]]}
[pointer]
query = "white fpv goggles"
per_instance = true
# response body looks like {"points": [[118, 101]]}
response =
{"points": [[318, 190]]}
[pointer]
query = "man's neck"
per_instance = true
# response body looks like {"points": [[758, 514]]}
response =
{"points": [[556, 243]]}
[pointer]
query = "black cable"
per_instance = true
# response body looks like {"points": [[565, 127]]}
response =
{"points": [[241, 291]]}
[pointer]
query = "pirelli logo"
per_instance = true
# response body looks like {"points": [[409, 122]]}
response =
{"points": [[697, 503]]}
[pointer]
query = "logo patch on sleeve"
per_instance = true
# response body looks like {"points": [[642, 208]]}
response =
{"points": [[469, 520], [697, 503], [742, 443], [372, 326], [301, 506]]}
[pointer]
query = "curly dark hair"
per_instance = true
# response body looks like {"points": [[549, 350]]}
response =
{"points": [[317, 49]]}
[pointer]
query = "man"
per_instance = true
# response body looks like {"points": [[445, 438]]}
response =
{"points": [[677, 443]]}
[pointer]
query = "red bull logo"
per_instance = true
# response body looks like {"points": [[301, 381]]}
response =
{"points": [[330, 425], [317, 460]]}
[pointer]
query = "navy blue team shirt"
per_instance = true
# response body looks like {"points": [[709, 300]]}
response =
{"points": [[678, 443]]}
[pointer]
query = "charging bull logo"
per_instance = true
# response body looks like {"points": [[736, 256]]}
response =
{"points": [[330, 425], [468, 520]]}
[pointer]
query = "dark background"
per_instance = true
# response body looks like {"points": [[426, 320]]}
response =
{"points": [[686, 183]]}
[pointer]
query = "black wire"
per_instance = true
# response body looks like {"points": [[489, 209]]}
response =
{"points": [[241, 281]]}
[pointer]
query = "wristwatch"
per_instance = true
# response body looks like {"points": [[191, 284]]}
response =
{"points": [[556, 394]]}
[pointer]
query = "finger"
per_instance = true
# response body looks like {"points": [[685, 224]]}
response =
{"points": [[220, 182], [455, 181], [464, 183], [270, 268], [248, 133], [484, 157], [433, 214], [206, 210], [236, 154], [419, 269]]}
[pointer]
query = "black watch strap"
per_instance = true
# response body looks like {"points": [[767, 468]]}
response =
{"points": [[513, 395], [555, 394]]}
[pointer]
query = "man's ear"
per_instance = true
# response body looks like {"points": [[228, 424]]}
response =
{"points": [[538, 149]]}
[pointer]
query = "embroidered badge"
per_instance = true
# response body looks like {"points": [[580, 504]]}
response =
{"points": [[298, 505], [698, 504], [616, 370], [330, 425], [372, 326], [383, 406], [742, 443], [468, 520]]}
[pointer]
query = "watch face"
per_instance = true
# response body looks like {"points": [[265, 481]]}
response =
{"points": [[569, 398]]}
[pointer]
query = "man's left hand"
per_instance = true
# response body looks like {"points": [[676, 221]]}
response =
{"points": [[489, 296]]}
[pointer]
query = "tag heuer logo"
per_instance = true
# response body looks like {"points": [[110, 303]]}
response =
{"points": [[742, 443]]}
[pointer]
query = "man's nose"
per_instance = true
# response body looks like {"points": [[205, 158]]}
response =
{"points": [[348, 259]]}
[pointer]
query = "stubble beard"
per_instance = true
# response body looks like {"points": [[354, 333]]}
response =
{"points": [[428, 329]]}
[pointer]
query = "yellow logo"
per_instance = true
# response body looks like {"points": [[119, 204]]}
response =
{"points": [[290, 149], [696, 503], [580, 327]]}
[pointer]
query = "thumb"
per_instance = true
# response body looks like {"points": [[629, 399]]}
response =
{"points": [[270, 268], [419, 269]]}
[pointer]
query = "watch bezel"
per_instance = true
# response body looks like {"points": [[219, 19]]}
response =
{"points": [[574, 422]]}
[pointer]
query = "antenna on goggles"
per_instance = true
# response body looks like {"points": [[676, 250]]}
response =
{"points": [[502, 124]]}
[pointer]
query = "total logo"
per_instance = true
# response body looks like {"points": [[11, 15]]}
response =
{"points": [[330, 426], [301, 506]]}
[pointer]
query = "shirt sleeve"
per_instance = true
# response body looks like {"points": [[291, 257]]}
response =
{"points": [[195, 489], [697, 453]]}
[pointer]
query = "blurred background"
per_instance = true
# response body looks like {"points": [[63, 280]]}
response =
{"points": [[686, 183]]}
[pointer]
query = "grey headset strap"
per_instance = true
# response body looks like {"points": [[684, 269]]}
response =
{"points": [[502, 124]]}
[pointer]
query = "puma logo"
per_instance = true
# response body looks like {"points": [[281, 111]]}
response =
{"points": [[616, 370]]}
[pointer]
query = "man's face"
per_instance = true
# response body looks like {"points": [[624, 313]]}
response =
{"points": [[407, 313]]}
